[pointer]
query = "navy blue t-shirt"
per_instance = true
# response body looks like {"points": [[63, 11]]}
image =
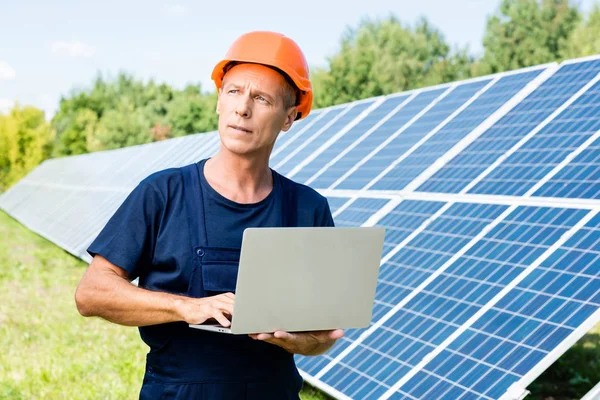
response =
{"points": [[148, 233], [226, 219], [149, 237]]}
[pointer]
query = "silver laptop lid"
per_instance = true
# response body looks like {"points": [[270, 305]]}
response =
{"points": [[306, 279]]}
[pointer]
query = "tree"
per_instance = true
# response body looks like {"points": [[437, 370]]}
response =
{"points": [[585, 40], [192, 112], [78, 134], [124, 126], [527, 32], [384, 56], [123, 111], [25, 137]]}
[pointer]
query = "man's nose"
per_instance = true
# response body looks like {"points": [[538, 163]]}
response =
{"points": [[243, 108]]}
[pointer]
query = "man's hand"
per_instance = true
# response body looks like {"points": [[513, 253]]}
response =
{"points": [[305, 343], [197, 311]]}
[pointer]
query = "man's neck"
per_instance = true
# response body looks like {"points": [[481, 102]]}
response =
{"points": [[243, 180]]}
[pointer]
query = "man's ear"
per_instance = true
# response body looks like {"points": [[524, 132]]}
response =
{"points": [[290, 118]]}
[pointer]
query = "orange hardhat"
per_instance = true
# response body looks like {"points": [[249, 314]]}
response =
{"points": [[273, 50]]}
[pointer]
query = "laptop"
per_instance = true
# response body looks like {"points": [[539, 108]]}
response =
{"points": [[305, 279]]}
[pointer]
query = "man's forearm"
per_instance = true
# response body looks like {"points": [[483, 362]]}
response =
{"points": [[112, 297]]}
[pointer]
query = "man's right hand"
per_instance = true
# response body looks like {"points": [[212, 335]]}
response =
{"points": [[197, 311]]}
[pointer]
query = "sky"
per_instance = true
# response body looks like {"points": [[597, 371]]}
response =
{"points": [[48, 49]]}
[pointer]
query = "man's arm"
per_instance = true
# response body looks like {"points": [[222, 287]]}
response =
{"points": [[104, 291]]}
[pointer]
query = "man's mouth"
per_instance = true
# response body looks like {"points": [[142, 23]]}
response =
{"points": [[241, 129]]}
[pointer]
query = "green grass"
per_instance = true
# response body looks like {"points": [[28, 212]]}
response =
{"points": [[49, 351]]}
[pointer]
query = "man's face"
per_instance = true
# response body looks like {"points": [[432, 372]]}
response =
{"points": [[251, 109]]}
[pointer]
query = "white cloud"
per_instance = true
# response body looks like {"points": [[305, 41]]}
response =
{"points": [[7, 73], [72, 48], [6, 105], [176, 9]]}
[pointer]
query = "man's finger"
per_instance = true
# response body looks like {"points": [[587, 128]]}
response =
{"points": [[336, 334], [284, 335], [221, 305], [264, 336], [221, 319]]}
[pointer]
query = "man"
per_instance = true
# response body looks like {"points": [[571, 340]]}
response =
{"points": [[180, 232]]}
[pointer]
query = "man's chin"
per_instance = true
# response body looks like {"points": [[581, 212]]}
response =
{"points": [[241, 149]]}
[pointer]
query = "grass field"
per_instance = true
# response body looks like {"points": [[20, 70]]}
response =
{"points": [[49, 351]]}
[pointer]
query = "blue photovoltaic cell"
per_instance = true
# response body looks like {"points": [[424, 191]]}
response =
{"points": [[523, 327], [460, 126], [403, 273], [546, 149], [404, 219], [511, 128], [382, 133], [373, 140], [336, 202], [580, 178], [350, 138], [359, 212], [413, 134], [399, 223], [476, 277], [295, 140], [320, 138]]}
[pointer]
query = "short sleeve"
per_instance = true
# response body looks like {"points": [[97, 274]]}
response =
{"points": [[326, 219], [128, 238]]}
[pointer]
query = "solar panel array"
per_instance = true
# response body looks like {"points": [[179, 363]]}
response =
{"points": [[489, 189]]}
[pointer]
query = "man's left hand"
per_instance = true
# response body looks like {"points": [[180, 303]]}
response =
{"points": [[305, 343]]}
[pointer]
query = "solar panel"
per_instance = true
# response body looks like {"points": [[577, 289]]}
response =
{"points": [[517, 123], [322, 137], [488, 106], [488, 189], [579, 178], [330, 161], [547, 146], [310, 131], [435, 114], [412, 111], [522, 328]]}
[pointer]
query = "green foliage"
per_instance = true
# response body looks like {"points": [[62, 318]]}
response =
{"points": [[25, 137], [527, 32], [384, 56], [125, 112], [585, 40], [191, 112]]}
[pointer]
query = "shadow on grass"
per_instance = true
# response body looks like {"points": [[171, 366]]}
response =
{"points": [[573, 374]]}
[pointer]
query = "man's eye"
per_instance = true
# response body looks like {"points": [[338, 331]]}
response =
{"points": [[233, 91], [261, 99]]}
